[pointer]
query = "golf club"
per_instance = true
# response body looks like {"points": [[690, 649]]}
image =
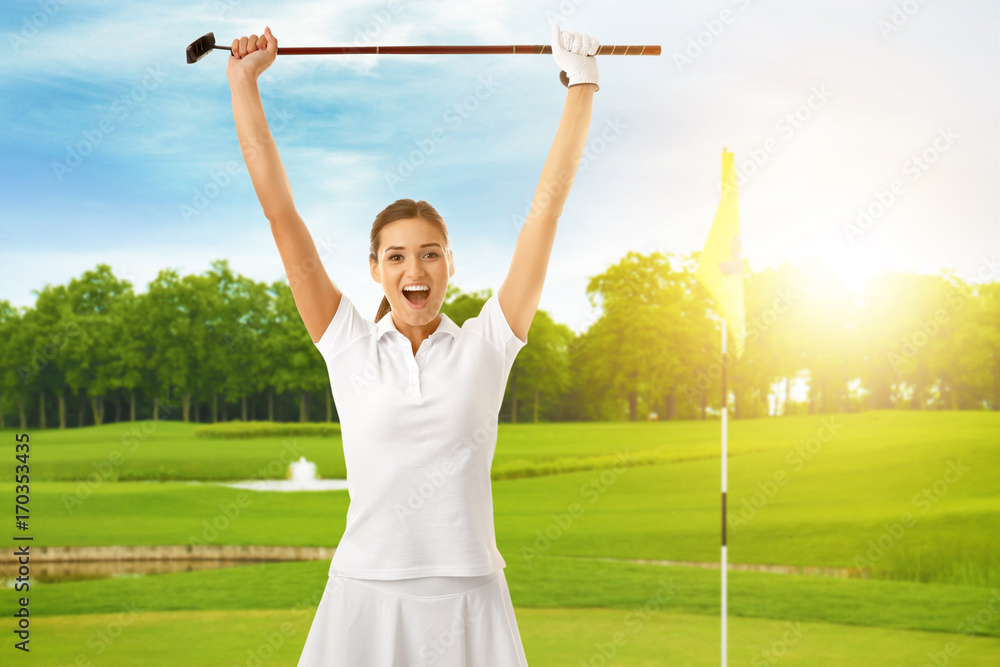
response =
{"points": [[200, 47]]}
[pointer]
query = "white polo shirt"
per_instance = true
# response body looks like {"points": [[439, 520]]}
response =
{"points": [[419, 435]]}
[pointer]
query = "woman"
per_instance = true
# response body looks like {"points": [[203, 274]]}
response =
{"points": [[417, 578]]}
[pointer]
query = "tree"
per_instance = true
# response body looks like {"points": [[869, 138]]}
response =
{"points": [[92, 300], [988, 324], [166, 329], [13, 348], [541, 369], [632, 351], [771, 352]]}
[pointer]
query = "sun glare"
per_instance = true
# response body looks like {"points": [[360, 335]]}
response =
{"points": [[848, 268]]}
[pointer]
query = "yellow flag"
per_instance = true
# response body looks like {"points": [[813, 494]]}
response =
{"points": [[720, 268]]}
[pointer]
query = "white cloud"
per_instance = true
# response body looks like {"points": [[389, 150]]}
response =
{"points": [[655, 185]]}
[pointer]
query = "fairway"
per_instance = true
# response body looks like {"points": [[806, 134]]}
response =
{"points": [[575, 505], [550, 636]]}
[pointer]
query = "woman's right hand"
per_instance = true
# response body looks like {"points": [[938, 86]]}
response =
{"points": [[252, 55]]}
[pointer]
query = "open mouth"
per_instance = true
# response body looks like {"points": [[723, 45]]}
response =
{"points": [[418, 295]]}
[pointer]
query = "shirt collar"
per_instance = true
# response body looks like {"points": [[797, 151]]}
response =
{"points": [[446, 326]]}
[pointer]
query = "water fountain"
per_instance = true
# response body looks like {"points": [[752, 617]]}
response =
{"points": [[303, 478], [303, 472]]}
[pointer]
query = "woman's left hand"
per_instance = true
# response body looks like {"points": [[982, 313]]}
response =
{"points": [[574, 53]]}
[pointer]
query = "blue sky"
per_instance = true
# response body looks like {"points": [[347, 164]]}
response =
{"points": [[111, 140]]}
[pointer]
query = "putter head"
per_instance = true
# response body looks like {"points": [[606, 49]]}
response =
{"points": [[200, 47]]}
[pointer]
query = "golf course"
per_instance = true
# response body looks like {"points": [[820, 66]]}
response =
{"points": [[902, 508]]}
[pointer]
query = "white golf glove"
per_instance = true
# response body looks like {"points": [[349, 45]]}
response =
{"points": [[574, 53]]}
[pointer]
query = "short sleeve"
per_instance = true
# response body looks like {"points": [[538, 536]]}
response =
{"points": [[346, 327], [494, 327]]}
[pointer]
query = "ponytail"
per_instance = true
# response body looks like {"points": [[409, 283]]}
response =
{"points": [[383, 308]]}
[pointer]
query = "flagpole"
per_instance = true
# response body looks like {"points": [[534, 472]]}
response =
{"points": [[720, 271], [724, 567]]}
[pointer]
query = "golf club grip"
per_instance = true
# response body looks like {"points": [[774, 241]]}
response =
{"points": [[533, 49]]}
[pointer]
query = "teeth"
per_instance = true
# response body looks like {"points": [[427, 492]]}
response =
{"points": [[414, 288]]}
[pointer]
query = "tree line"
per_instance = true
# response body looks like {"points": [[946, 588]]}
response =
{"points": [[219, 346]]}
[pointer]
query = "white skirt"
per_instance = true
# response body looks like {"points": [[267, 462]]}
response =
{"points": [[418, 622]]}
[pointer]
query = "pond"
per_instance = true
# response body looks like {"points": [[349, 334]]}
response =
{"points": [[77, 563], [74, 563]]}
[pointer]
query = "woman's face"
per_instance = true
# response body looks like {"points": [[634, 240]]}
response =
{"points": [[411, 251]]}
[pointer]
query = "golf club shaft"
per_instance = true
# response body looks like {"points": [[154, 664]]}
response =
{"points": [[533, 49]]}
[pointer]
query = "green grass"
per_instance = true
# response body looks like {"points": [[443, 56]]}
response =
{"points": [[565, 607], [552, 582], [656, 512], [877, 492], [851, 494], [551, 637]]}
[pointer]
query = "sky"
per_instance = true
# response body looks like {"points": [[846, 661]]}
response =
{"points": [[865, 134]]}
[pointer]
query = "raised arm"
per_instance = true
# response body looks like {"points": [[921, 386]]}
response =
{"points": [[316, 297], [521, 290]]}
